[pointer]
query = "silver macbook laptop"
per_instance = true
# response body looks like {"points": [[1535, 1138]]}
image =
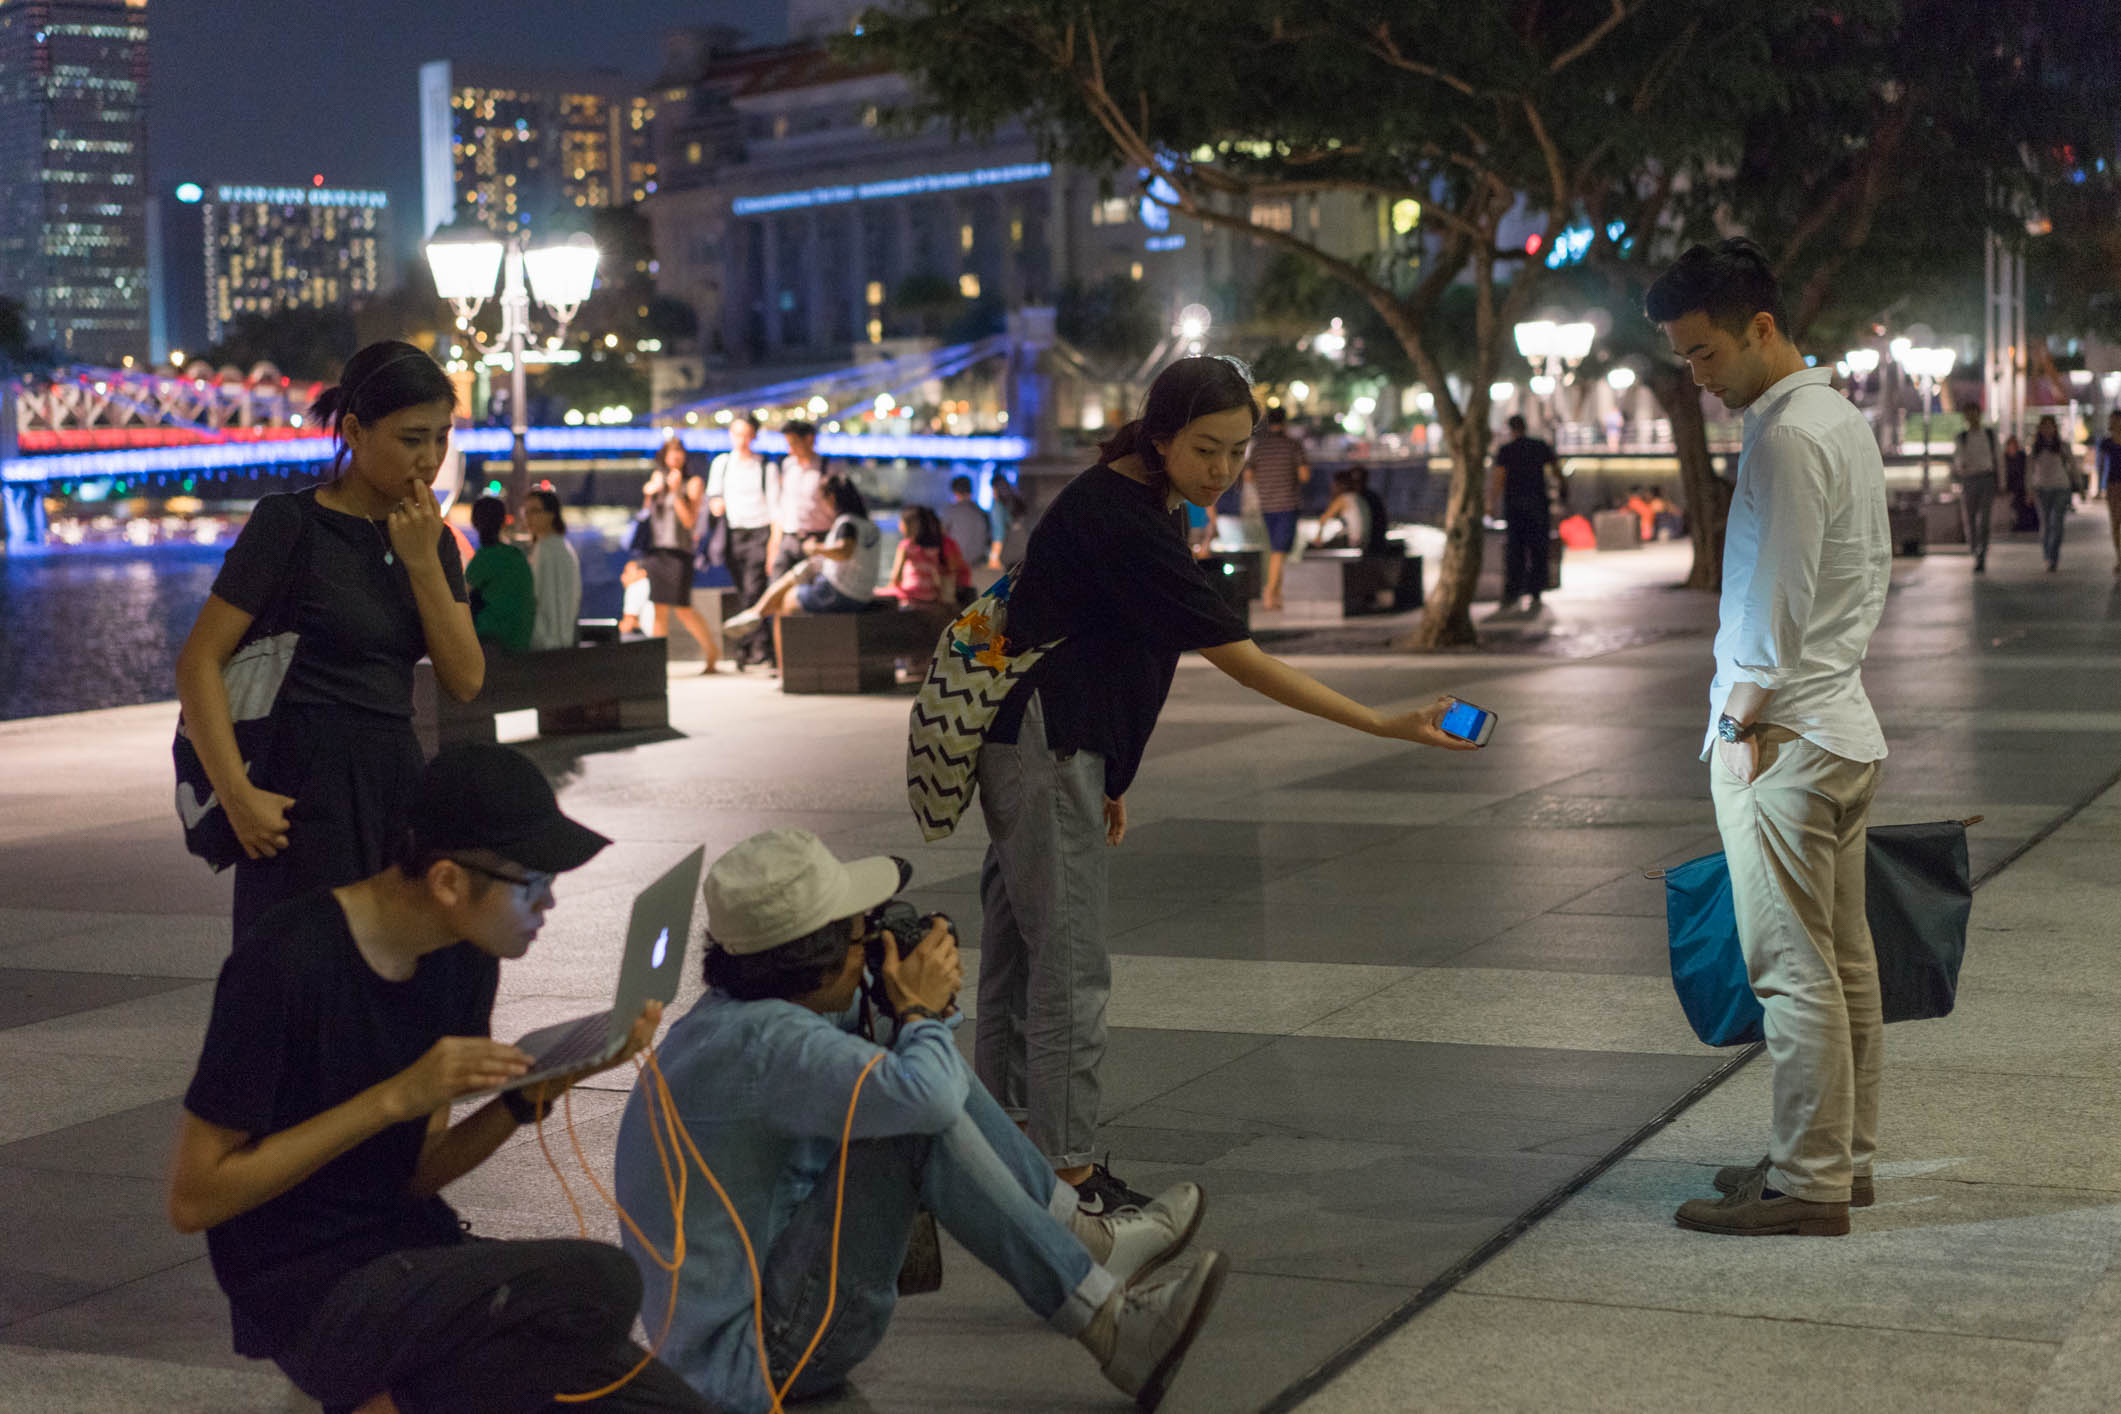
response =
{"points": [[654, 963]]}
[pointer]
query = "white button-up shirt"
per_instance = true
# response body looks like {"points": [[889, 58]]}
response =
{"points": [[1807, 554], [749, 489]]}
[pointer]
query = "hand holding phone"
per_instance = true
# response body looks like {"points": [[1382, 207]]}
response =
{"points": [[1468, 723], [1446, 722]]}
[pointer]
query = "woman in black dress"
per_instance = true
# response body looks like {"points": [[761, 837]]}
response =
{"points": [[375, 584]]}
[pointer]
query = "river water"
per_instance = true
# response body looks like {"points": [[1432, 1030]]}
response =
{"points": [[88, 629]]}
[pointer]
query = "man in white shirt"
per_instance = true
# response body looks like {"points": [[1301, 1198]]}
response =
{"points": [[1977, 466], [745, 489], [805, 510], [1795, 746]]}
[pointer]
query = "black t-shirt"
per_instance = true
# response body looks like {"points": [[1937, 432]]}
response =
{"points": [[302, 1023], [1380, 522], [1108, 568], [359, 623], [1524, 462]]}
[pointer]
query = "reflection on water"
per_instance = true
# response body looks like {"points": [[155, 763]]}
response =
{"points": [[82, 631]]}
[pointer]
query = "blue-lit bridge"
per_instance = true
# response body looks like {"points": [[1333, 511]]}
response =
{"points": [[106, 434]]}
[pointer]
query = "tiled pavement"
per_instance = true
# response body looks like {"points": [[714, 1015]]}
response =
{"points": [[1379, 1001]]}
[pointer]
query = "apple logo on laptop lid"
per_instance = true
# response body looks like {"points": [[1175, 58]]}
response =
{"points": [[662, 947]]}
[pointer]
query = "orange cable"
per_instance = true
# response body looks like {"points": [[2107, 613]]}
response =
{"points": [[666, 1101]]}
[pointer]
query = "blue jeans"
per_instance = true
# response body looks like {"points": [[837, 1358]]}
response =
{"points": [[988, 1187], [2054, 510]]}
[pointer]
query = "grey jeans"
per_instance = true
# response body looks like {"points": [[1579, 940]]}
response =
{"points": [[1977, 499], [1044, 976]]}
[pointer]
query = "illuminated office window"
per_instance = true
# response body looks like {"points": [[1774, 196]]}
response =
{"points": [[876, 293], [964, 237], [968, 286]]}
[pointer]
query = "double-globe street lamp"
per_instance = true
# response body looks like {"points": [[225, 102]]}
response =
{"points": [[466, 259], [1553, 350]]}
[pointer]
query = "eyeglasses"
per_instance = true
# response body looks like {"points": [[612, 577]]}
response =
{"points": [[530, 882]]}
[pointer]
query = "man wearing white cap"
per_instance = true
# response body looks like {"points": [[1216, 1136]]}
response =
{"points": [[762, 1069]]}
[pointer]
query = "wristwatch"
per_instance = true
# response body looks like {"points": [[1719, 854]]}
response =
{"points": [[1729, 728], [908, 1014], [522, 1108]]}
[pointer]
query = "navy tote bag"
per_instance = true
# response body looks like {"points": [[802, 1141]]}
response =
{"points": [[1918, 895]]}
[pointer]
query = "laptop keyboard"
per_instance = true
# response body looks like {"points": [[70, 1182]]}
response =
{"points": [[584, 1042]]}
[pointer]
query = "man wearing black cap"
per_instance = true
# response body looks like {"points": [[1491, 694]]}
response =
{"points": [[316, 1136]]}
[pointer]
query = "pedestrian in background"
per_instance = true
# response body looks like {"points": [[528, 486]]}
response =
{"points": [[1008, 521], [2110, 479], [1278, 471], [376, 586], [555, 570], [671, 502], [2051, 472], [928, 567], [1977, 465], [1345, 523], [805, 508], [966, 523], [2024, 514], [1793, 745], [1380, 541], [504, 596], [1518, 490], [745, 490]]}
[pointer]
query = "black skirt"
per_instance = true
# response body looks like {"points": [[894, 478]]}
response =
{"points": [[352, 775], [669, 577]]}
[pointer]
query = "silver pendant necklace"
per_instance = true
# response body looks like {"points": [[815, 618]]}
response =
{"points": [[389, 558]]}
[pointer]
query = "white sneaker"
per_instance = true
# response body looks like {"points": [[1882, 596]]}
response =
{"points": [[1133, 1242], [742, 623], [1157, 1320]]}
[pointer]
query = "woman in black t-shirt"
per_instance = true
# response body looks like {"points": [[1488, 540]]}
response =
{"points": [[375, 584], [1108, 572]]}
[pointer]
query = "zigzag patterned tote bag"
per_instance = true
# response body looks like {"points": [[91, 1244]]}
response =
{"points": [[970, 676]]}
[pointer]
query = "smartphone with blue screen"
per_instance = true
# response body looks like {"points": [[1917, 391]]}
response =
{"points": [[1469, 723]]}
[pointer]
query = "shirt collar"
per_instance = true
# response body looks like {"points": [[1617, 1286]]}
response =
{"points": [[1779, 392]]}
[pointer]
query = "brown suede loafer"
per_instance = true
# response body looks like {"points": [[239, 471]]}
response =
{"points": [[1750, 1213], [1862, 1192]]}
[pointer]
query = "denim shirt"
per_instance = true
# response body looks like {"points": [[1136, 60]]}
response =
{"points": [[762, 1087]]}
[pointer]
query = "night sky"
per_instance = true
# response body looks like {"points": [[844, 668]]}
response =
{"points": [[251, 91]]}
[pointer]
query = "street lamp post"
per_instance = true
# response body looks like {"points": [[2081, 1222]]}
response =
{"points": [[1928, 367], [1554, 350], [466, 258]]}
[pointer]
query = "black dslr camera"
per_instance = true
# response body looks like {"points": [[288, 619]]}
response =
{"points": [[896, 917]]}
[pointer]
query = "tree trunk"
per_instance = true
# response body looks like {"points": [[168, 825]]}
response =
{"points": [[1447, 616], [1708, 499]]}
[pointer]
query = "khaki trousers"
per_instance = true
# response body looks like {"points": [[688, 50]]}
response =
{"points": [[1794, 837]]}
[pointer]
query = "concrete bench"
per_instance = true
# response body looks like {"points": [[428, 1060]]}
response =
{"points": [[1617, 530], [1357, 583], [600, 687], [856, 652]]}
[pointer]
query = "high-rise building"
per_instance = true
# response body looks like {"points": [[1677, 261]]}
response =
{"points": [[509, 147], [273, 247], [73, 173]]}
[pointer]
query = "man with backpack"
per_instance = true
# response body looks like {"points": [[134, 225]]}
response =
{"points": [[1977, 465]]}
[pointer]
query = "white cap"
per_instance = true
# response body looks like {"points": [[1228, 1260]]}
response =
{"points": [[781, 884]]}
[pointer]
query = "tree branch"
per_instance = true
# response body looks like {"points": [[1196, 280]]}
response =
{"points": [[1387, 49], [1606, 26]]}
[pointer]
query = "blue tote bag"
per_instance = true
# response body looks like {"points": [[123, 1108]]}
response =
{"points": [[1918, 896]]}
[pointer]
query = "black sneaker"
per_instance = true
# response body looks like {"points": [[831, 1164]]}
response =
{"points": [[1101, 1194]]}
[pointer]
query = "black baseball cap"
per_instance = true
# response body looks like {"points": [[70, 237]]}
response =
{"points": [[492, 798]]}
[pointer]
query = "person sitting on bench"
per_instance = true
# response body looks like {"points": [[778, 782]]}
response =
{"points": [[316, 1134], [838, 573]]}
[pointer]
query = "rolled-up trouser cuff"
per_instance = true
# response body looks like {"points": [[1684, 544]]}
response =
{"points": [[1083, 1302]]}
